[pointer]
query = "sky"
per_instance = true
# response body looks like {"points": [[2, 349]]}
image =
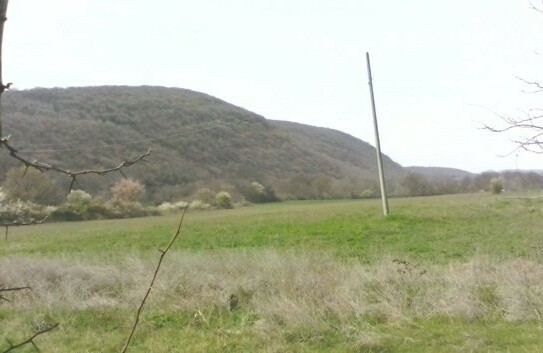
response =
{"points": [[441, 69]]}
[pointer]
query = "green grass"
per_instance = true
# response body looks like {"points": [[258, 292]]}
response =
{"points": [[411, 254], [437, 229]]}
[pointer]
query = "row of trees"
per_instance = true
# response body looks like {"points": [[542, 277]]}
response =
{"points": [[124, 197]]}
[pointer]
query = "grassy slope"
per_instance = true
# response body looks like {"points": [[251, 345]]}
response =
{"points": [[439, 233]]}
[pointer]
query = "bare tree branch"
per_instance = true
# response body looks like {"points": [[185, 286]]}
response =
{"points": [[30, 340], [535, 8], [539, 86], [531, 121], [13, 289], [44, 167], [162, 255]]}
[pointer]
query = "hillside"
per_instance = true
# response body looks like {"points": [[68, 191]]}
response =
{"points": [[197, 141], [440, 173]]}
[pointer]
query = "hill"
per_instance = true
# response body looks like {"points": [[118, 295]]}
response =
{"points": [[440, 173], [197, 140]]}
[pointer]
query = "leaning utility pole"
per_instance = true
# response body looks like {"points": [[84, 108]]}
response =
{"points": [[377, 143]]}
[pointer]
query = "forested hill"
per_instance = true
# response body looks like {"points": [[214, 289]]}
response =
{"points": [[197, 141]]}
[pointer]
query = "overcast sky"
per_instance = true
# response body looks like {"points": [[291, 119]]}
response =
{"points": [[439, 67]]}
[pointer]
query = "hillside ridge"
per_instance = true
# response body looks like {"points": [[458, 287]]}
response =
{"points": [[198, 141]]}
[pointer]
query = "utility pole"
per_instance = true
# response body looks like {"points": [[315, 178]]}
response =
{"points": [[377, 142]]}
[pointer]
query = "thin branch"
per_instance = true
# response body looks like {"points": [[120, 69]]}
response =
{"points": [[535, 8], [13, 289], [538, 85], [44, 167], [30, 340], [162, 255]]}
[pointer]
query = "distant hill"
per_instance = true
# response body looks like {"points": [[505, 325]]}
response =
{"points": [[436, 173], [197, 141]]}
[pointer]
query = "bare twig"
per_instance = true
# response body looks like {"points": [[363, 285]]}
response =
{"points": [[530, 121], [162, 255], [44, 167], [535, 8], [539, 86], [12, 289], [30, 340]]}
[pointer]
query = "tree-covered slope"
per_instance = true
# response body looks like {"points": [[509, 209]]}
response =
{"points": [[197, 140]]}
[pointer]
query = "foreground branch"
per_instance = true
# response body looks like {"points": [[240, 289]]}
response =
{"points": [[44, 167], [13, 289], [162, 254], [30, 340], [532, 121]]}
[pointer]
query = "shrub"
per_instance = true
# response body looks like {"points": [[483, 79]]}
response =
{"points": [[258, 193], [166, 207], [80, 205], [199, 205], [367, 194], [20, 211], [127, 190], [118, 209], [497, 185], [223, 200]]}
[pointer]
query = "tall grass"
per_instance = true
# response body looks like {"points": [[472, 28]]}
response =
{"points": [[288, 288]]}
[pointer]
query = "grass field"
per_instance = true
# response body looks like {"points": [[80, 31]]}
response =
{"points": [[459, 273]]}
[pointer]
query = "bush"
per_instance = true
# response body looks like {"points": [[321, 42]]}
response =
{"points": [[258, 193], [367, 194], [167, 207], [20, 211], [79, 206], [497, 185], [127, 190], [118, 209], [199, 205], [223, 200]]}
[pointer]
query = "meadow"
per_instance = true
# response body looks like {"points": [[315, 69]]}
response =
{"points": [[460, 273]]}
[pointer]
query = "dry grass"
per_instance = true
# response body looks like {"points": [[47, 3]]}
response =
{"points": [[287, 288]]}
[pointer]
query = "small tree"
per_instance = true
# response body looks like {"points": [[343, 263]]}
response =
{"points": [[127, 191], [497, 185], [223, 200]]}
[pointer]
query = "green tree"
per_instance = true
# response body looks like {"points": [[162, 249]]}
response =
{"points": [[223, 200], [497, 184]]}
